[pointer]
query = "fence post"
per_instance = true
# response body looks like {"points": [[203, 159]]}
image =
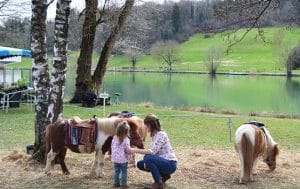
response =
{"points": [[229, 125]]}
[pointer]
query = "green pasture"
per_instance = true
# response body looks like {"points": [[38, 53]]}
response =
{"points": [[187, 129], [252, 54]]}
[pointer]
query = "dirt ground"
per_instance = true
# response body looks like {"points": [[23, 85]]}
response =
{"points": [[197, 168]]}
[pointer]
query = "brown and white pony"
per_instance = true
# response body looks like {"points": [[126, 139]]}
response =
{"points": [[142, 130], [137, 135], [56, 146], [253, 141]]}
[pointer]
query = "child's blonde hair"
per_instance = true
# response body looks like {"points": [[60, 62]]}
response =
{"points": [[122, 131]]}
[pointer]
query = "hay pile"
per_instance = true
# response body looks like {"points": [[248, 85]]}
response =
{"points": [[197, 168]]}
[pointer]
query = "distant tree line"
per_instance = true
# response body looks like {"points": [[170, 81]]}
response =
{"points": [[149, 23]]}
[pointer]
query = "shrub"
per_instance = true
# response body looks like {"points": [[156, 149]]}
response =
{"points": [[294, 57]]}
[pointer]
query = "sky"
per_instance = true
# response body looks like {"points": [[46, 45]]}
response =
{"points": [[25, 9], [79, 4]]}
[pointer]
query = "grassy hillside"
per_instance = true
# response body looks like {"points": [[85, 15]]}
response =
{"points": [[252, 54]]}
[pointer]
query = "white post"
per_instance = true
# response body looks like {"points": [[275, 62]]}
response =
{"points": [[104, 96]]}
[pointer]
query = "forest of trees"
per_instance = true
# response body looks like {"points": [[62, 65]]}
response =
{"points": [[149, 23]]}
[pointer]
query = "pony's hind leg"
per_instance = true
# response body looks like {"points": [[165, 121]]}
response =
{"points": [[50, 157], [242, 175], [61, 156], [254, 170]]}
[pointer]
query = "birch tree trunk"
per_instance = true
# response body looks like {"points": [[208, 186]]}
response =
{"points": [[59, 64], [49, 100], [40, 74]]}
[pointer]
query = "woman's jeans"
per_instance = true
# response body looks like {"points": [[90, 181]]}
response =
{"points": [[120, 167], [158, 166]]}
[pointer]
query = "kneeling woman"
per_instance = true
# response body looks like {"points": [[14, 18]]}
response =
{"points": [[160, 160]]}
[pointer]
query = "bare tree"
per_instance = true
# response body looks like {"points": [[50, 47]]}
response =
{"points": [[134, 39], [295, 57], [167, 52], [242, 14], [85, 81], [106, 50], [84, 62], [284, 52], [131, 48], [214, 59], [15, 8]]}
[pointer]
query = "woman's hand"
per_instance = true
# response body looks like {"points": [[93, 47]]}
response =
{"points": [[129, 150], [140, 151]]}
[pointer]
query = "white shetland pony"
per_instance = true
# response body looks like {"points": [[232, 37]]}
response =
{"points": [[253, 140]]}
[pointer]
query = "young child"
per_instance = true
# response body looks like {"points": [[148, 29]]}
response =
{"points": [[119, 157]]}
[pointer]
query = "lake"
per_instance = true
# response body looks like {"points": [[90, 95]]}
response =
{"points": [[244, 94]]}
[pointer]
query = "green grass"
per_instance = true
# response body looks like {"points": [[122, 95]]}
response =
{"points": [[26, 63], [186, 129], [250, 55]]}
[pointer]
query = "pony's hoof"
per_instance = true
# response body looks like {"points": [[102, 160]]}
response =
{"points": [[48, 173], [242, 181], [66, 173], [101, 175]]}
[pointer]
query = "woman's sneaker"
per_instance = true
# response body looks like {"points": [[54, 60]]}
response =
{"points": [[164, 178], [124, 186], [116, 185]]}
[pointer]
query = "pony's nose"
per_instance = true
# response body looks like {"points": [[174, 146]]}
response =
{"points": [[142, 146]]}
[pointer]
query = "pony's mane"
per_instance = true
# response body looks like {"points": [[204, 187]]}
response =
{"points": [[108, 125], [269, 138], [133, 124]]}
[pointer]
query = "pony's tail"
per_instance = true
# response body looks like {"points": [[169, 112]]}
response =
{"points": [[47, 140], [247, 150]]}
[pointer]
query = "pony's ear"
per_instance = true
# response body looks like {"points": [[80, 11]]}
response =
{"points": [[276, 149]]}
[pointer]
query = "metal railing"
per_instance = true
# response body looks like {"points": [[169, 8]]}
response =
{"points": [[10, 76]]}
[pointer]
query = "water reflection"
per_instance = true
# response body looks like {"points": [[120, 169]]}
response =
{"points": [[224, 92], [293, 90]]}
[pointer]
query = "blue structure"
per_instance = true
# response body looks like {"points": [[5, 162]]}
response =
{"points": [[6, 52]]}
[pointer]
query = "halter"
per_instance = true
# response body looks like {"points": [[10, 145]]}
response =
{"points": [[126, 114]]}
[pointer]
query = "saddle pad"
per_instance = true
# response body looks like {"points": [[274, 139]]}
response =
{"points": [[256, 123], [83, 133]]}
